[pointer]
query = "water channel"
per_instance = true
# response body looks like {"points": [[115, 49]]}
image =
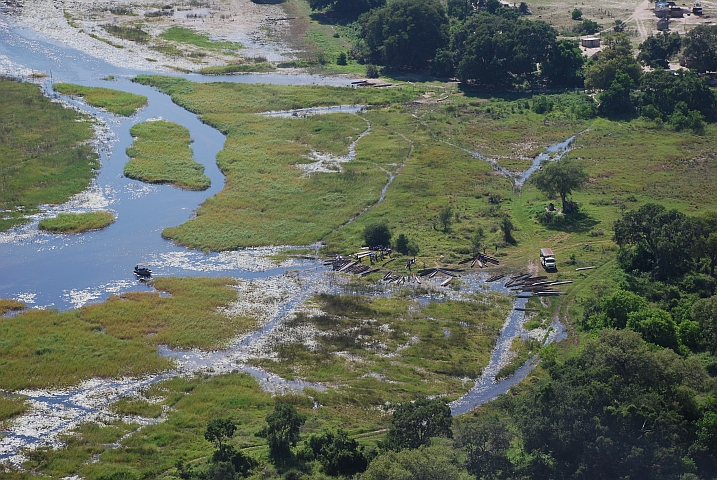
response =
{"points": [[67, 271]]}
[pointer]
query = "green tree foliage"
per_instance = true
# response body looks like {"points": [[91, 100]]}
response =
{"points": [[506, 226], [656, 326], [587, 27], [341, 59], [616, 101], [657, 50], [564, 64], [577, 14], [704, 312], [485, 441], [708, 239], [616, 409], [656, 240], [459, 9], [406, 246], [282, 431], [405, 33], [218, 432], [495, 49], [664, 90], [618, 306], [701, 48], [560, 178], [377, 234], [477, 241], [615, 58], [414, 423], [445, 217], [437, 462], [336, 452], [523, 8], [347, 7]]}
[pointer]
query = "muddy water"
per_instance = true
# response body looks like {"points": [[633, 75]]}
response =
{"points": [[68, 271]]}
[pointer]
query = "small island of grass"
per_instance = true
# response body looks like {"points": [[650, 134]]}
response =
{"points": [[77, 222], [114, 101], [161, 154], [10, 306]]}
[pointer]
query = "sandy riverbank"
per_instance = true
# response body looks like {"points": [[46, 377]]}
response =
{"points": [[79, 24]]}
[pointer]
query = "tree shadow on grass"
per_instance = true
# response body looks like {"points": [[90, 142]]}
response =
{"points": [[579, 222]]}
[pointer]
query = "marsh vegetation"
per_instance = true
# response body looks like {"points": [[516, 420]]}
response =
{"points": [[161, 153], [114, 101], [76, 222]]}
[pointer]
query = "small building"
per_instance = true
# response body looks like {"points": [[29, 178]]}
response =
{"points": [[590, 42], [697, 9], [663, 24]]}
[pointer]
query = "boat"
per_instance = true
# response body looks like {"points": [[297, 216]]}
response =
{"points": [[141, 270]]}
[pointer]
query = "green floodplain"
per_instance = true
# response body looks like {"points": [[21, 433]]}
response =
{"points": [[630, 394]]}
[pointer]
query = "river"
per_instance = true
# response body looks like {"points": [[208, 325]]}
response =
{"points": [[67, 271]]}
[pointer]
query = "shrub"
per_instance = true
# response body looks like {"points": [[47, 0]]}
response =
{"points": [[377, 234]]}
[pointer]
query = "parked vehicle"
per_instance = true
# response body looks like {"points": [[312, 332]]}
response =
{"points": [[547, 259]]}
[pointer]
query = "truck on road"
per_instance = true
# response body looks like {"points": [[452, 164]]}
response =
{"points": [[547, 259]]}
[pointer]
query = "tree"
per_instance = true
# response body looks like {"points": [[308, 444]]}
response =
{"points": [[616, 409], [377, 234], [564, 63], [341, 59], [616, 101], [459, 9], [577, 14], [656, 326], [218, 431], [337, 453], [560, 178], [347, 7], [506, 226], [587, 27], [704, 312], [707, 229], [523, 8], [406, 246], [414, 423], [664, 90], [445, 217], [615, 58], [498, 50], [405, 33], [477, 241], [282, 431], [701, 48], [437, 462], [486, 441], [656, 240], [657, 50], [618, 306]]}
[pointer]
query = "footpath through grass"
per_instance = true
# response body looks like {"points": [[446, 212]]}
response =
{"points": [[161, 154], [45, 348], [76, 222], [114, 101], [44, 157]]}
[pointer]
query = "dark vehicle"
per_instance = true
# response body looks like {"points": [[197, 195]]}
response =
{"points": [[141, 270]]}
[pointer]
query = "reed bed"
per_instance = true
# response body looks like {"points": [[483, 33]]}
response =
{"points": [[44, 157], [77, 222], [161, 154], [114, 101]]}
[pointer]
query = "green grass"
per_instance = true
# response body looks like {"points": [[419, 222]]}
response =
{"points": [[43, 348], [237, 68], [161, 154], [44, 157], [114, 101], [266, 199], [190, 37], [137, 406], [77, 222], [11, 407]]}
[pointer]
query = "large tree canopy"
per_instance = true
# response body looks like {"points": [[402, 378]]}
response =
{"points": [[564, 63], [414, 423], [405, 33], [614, 59], [657, 50], [656, 240], [492, 49], [616, 409], [701, 48], [664, 90]]}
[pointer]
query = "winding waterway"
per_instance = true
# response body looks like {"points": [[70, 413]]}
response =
{"points": [[66, 271]]}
